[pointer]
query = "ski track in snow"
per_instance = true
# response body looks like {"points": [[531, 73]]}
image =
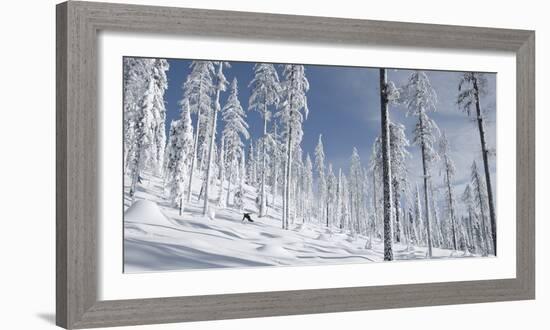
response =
{"points": [[157, 238]]}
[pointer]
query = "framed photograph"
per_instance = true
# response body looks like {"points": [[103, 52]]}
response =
{"points": [[217, 165]]}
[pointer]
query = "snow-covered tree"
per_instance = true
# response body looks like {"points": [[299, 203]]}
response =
{"points": [[298, 169], [251, 166], [321, 180], [238, 198], [355, 182], [144, 138], [331, 200], [399, 170], [373, 203], [388, 94], [345, 203], [168, 162], [220, 85], [472, 86], [136, 81], [235, 126], [375, 173], [258, 167], [266, 91], [480, 197], [468, 200], [410, 228], [449, 170], [275, 151], [439, 232], [292, 111], [222, 167], [160, 66], [308, 187], [338, 202], [198, 90], [365, 223], [179, 153], [147, 120], [420, 98], [418, 227], [463, 234]]}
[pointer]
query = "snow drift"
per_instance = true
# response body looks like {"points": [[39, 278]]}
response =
{"points": [[147, 212]]}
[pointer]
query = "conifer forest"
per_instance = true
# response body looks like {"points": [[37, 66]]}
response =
{"points": [[240, 164]]}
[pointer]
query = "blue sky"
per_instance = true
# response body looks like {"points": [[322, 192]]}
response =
{"points": [[344, 106]]}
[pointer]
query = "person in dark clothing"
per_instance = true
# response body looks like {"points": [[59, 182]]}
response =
{"points": [[247, 217]]}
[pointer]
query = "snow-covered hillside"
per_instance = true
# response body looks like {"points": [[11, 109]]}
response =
{"points": [[191, 176], [157, 238]]}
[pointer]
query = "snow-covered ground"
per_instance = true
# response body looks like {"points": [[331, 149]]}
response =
{"points": [[157, 238]]}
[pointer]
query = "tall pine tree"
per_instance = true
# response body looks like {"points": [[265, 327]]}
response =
{"points": [[198, 90], [292, 112], [220, 85], [449, 170], [472, 86], [420, 98], [179, 153], [266, 91], [235, 127]]}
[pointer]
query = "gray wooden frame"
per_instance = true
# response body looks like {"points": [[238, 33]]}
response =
{"points": [[78, 24]]}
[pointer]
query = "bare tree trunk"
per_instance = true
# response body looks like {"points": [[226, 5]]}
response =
{"points": [[485, 154], [386, 168]]}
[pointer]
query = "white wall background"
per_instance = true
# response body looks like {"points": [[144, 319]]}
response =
{"points": [[27, 164]]}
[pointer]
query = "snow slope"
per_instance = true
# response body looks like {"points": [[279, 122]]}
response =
{"points": [[157, 238]]}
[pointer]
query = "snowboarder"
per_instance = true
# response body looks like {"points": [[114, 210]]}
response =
{"points": [[247, 217]]}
